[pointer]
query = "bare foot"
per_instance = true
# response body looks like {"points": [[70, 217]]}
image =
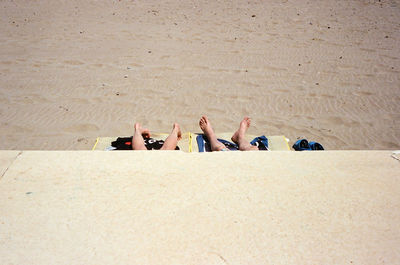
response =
{"points": [[138, 127], [205, 126], [144, 132], [239, 136], [177, 129], [172, 140], [240, 133], [208, 131]]}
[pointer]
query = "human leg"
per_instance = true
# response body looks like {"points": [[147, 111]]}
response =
{"points": [[208, 131], [137, 140], [172, 140], [239, 136]]}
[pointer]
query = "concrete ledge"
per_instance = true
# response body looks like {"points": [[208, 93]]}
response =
{"points": [[6, 159], [84, 207]]}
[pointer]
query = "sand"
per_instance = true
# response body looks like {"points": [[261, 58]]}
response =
{"points": [[71, 71]]}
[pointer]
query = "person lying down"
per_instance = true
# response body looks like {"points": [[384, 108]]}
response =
{"points": [[138, 139], [170, 143], [238, 137]]}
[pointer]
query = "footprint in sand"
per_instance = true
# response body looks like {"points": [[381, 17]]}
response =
{"points": [[82, 128], [73, 62]]}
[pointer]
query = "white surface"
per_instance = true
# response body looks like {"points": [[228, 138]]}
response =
{"points": [[6, 159], [214, 208]]}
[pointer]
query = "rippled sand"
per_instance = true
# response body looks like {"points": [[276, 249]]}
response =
{"points": [[323, 70]]}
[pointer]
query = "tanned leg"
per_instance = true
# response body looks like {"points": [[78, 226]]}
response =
{"points": [[239, 136], [208, 131], [137, 140], [172, 140]]}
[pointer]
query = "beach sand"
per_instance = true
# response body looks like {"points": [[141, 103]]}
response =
{"points": [[71, 71]]}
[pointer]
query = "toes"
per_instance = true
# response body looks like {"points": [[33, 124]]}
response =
{"points": [[146, 133], [202, 123], [205, 119], [177, 129], [247, 120], [137, 126]]}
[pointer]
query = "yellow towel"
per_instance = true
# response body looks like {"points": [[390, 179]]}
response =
{"points": [[188, 142], [103, 142], [275, 143]]}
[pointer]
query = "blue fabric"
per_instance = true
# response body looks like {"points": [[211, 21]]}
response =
{"points": [[316, 146], [200, 143], [301, 145], [261, 142], [204, 146], [231, 146], [304, 145]]}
